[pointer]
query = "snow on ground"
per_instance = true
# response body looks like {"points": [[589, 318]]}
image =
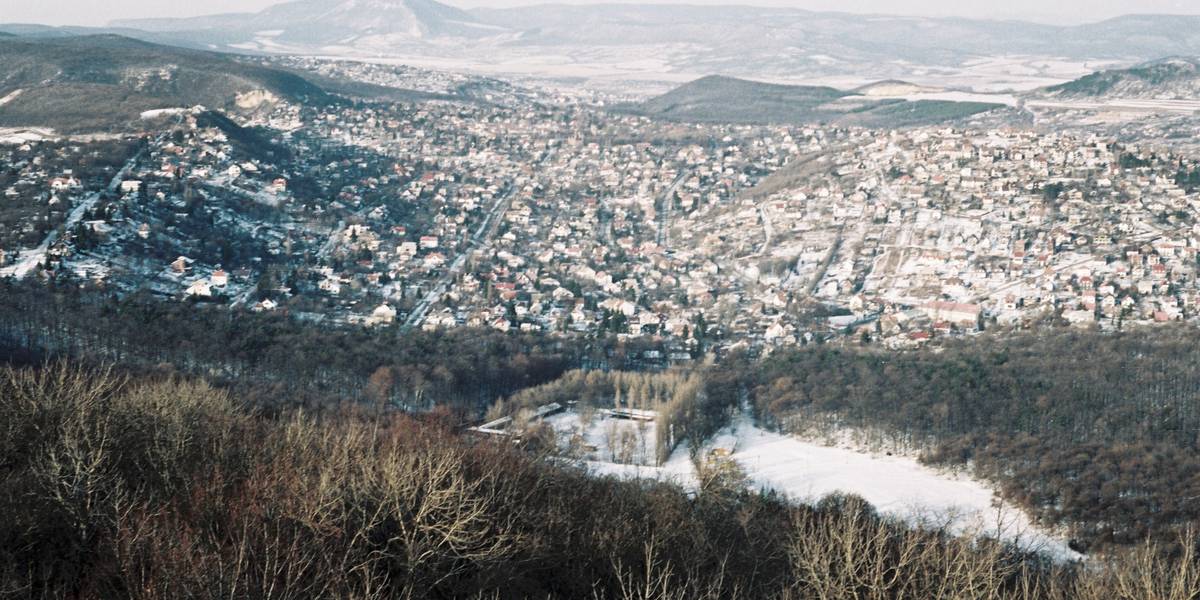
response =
{"points": [[24, 135], [10, 97], [602, 438], [614, 440], [29, 259], [678, 469], [895, 486], [164, 112]]}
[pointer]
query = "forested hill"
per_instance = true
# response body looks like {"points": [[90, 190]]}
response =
{"points": [[1095, 434], [278, 360], [79, 83], [1171, 77], [717, 99], [1098, 433]]}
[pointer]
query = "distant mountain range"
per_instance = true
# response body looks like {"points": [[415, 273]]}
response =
{"points": [[764, 43], [321, 23]]}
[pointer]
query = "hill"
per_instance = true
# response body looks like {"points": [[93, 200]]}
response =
{"points": [[1175, 78], [744, 41], [732, 100], [105, 82], [320, 23], [717, 98]]}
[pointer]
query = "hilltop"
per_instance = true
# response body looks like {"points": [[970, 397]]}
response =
{"points": [[732, 100], [104, 82], [1169, 78], [321, 23]]}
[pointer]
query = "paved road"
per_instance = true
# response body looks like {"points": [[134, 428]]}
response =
{"points": [[30, 259], [482, 235], [666, 199]]}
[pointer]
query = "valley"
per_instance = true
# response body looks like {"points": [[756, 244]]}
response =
{"points": [[654, 301]]}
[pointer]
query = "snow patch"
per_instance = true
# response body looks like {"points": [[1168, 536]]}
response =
{"points": [[10, 97], [896, 486], [164, 112]]}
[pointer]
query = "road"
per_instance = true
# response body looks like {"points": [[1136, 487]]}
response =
{"points": [[667, 200], [30, 259], [482, 235], [825, 263]]}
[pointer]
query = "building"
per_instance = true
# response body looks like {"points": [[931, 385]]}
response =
{"points": [[963, 315]]}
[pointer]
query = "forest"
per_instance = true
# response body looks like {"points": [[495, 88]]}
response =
{"points": [[278, 359], [116, 485], [1095, 433]]}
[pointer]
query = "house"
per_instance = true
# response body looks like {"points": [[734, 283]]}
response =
{"points": [[429, 242], [383, 315], [200, 288], [964, 315], [59, 184], [332, 286], [220, 278]]}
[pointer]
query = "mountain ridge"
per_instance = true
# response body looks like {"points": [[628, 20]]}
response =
{"points": [[753, 42], [332, 21], [107, 81]]}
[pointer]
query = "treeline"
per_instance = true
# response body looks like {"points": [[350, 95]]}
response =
{"points": [[116, 487], [275, 359], [684, 410], [1093, 432]]}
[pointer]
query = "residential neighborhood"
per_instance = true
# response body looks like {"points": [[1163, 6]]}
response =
{"points": [[543, 212]]}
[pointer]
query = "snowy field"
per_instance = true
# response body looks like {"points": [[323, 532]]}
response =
{"points": [[807, 472], [10, 97], [895, 486]]}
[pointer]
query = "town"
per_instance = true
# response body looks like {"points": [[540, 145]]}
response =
{"points": [[540, 211]]}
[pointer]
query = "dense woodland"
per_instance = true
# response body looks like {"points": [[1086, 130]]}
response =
{"points": [[1095, 432], [164, 487], [278, 359]]}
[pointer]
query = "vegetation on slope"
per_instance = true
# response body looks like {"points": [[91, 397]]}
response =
{"points": [[112, 487], [278, 360], [1139, 79], [1094, 432], [717, 99], [104, 82]]}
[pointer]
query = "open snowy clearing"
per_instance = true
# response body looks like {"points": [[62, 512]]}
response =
{"points": [[896, 486]]}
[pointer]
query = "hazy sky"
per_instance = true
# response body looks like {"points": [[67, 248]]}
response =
{"points": [[99, 12]]}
